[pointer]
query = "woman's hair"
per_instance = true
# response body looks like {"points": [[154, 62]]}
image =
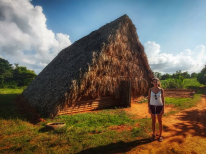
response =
{"points": [[159, 84]]}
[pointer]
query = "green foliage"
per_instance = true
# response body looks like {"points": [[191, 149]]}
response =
{"points": [[194, 75], [189, 83], [185, 75], [4, 66], [166, 76], [179, 74], [157, 74], [202, 76], [5, 70], [22, 76], [14, 77], [172, 83]]}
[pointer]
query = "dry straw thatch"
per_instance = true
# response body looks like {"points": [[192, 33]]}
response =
{"points": [[91, 67]]}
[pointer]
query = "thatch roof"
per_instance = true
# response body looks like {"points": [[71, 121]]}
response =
{"points": [[91, 66]]}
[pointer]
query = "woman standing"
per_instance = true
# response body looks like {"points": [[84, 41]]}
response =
{"points": [[156, 106]]}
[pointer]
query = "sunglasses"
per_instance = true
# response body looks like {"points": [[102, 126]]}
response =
{"points": [[155, 96]]}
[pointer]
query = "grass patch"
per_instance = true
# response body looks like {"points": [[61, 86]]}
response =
{"points": [[145, 126], [82, 132], [86, 132], [103, 118], [183, 103], [11, 91]]}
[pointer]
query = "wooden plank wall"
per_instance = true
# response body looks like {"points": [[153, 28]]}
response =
{"points": [[89, 105]]}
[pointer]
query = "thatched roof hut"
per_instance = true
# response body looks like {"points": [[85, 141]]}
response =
{"points": [[91, 67]]}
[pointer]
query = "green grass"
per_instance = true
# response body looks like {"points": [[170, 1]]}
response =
{"points": [[86, 132], [83, 133], [183, 103], [145, 126], [11, 91]]}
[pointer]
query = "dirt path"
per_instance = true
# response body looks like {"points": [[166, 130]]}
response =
{"points": [[184, 132], [141, 110]]}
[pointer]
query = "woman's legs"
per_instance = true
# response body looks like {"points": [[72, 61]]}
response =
{"points": [[153, 123], [159, 116]]}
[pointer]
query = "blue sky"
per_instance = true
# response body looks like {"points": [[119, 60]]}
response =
{"points": [[175, 24], [173, 32]]}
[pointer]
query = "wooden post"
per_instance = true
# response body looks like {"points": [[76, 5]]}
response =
{"points": [[125, 93]]}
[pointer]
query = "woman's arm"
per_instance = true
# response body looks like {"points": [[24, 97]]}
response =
{"points": [[163, 101], [149, 93]]}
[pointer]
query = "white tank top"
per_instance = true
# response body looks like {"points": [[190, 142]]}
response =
{"points": [[158, 101]]}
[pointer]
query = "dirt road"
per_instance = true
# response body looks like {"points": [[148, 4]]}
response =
{"points": [[184, 132]]}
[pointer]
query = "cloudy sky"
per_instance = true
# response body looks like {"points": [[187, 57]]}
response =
{"points": [[173, 32]]}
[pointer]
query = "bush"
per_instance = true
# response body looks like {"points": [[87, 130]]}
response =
{"points": [[191, 83], [12, 85], [13, 77], [202, 76], [172, 83]]}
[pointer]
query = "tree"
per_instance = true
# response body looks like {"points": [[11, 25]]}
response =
{"points": [[12, 77], [166, 76], [4, 66], [157, 74], [178, 72], [202, 76], [22, 76], [5, 70], [194, 75], [185, 74]]}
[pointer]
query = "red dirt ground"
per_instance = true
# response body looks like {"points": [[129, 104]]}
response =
{"points": [[184, 132], [141, 110]]}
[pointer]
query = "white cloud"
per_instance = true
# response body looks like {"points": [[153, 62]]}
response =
{"points": [[187, 60], [24, 37], [151, 48]]}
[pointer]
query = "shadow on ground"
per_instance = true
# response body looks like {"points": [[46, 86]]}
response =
{"points": [[8, 108], [192, 122], [119, 147], [11, 107]]}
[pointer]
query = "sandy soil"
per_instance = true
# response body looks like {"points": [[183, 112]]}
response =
{"points": [[184, 132]]}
